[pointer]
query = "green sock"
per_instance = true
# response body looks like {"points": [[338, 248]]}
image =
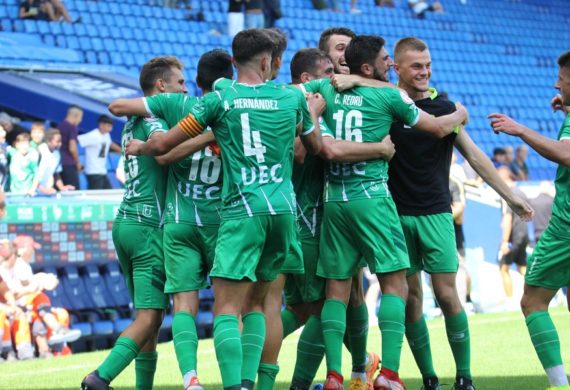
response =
{"points": [[267, 374], [418, 339], [310, 353], [227, 343], [357, 331], [185, 339], [457, 329], [544, 338], [333, 322], [391, 319], [290, 322], [145, 367], [122, 354], [252, 339]]}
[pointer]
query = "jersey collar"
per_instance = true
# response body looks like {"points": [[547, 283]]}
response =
{"points": [[433, 92]]}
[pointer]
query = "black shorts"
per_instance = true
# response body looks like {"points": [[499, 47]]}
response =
{"points": [[517, 254]]}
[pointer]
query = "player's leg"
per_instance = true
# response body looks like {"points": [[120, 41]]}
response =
{"points": [[142, 263], [232, 276], [440, 260], [416, 327], [339, 259], [548, 270], [274, 334], [188, 256], [282, 252]]}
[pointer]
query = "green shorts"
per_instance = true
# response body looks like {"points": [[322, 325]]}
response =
{"points": [[431, 243], [188, 256], [139, 248], [549, 265], [365, 228], [293, 263], [253, 248], [306, 287]]}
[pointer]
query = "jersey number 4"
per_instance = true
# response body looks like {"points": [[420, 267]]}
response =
{"points": [[252, 145]]}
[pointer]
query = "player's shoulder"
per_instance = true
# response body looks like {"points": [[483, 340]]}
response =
{"points": [[222, 83]]}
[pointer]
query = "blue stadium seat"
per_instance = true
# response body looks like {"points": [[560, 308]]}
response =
{"points": [[116, 284]]}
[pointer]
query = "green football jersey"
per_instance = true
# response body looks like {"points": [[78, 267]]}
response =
{"points": [[145, 184], [308, 182], [255, 127], [22, 169], [194, 184], [561, 206], [362, 114]]}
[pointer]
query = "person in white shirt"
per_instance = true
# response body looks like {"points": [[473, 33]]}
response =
{"points": [[97, 143], [49, 170]]}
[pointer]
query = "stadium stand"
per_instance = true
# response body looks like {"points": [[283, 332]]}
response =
{"points": [[480, 59]]}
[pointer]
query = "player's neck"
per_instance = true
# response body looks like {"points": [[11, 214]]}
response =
{"points": [[414, 94], [250, 76]]}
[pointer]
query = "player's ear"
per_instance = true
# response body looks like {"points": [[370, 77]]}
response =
{"points": [[160, 85], [305, 77], [396, 68], [366, 69]]}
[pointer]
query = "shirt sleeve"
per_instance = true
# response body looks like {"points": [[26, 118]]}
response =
{"points": [[88, 139], [152, 125], [203, 114], [163, 106], [325, 131], [402, 106], [221, 84], [313, 86], [303, 114]]}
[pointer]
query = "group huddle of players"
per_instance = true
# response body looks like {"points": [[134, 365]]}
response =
{"points": [[272, 189]]}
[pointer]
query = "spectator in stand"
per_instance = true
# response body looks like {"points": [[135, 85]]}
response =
{"points": [[254, 14], [514, 240], [3, 161], [542, 206], [420, 7], [12, 127], [518, 166], [37, 134], [97, 143], [23, 166], [70, 165], [236, 18], [49, 170], [382, 3], [509, 155], [28, 287], [272, 12], [51, 10], [499, 158]]}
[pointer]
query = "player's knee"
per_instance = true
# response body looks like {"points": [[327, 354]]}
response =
{"points": [[449, 301]]}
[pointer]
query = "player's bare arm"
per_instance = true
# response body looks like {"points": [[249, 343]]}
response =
{"points": [[186, 148], [556, 104], [128, 107], [161, 143], [342, 82], [553, 150], [313, 140], [442, 125], [485, 168], [349, 151]]}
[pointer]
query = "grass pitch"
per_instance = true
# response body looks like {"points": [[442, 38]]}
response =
{"points": [[502, 359]]}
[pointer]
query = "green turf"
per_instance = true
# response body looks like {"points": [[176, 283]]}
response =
{"points": [[502, 359]]}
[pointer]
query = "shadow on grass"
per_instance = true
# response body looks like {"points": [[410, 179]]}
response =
{"points": [[481, 382]]}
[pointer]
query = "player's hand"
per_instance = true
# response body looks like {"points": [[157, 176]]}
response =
{"points": [[502, 123], [134, 148], [389, 149], [316, 103], [342, 82], [557, 105], [461, 108], [215, 148], [521, 208], [68, 187]]}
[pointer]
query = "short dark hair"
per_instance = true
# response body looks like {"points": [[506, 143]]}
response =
{"points": [[105, 119], [52, 133], [280, 41], [409, 44], [499, 150], [305, 60], [564, 60], [251, 42], [157, 68], [213, 65], [362, 50], [325, 35], [23, 136]]}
